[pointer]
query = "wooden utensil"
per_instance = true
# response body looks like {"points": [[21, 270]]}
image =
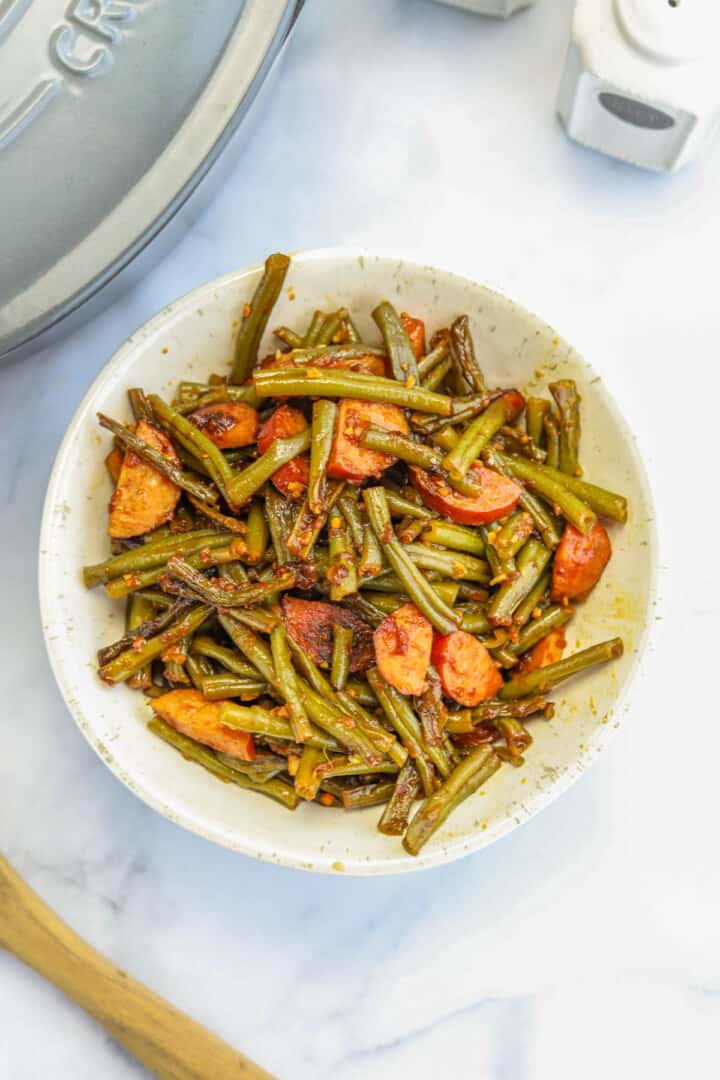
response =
{"points": [[164, 1039]]}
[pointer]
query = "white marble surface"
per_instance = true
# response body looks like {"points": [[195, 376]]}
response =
{"points": [[584, 945]]}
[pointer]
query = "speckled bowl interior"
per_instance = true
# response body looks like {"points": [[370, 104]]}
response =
{"points": [[192, 338]]}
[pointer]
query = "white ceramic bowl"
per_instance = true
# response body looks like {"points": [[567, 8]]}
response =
{"points": [[192, 338]]}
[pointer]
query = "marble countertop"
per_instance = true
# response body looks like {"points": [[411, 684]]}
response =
{"points": [[586, 943]]}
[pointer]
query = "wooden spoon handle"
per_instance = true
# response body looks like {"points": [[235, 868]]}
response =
{"points": [[164, 1039]]}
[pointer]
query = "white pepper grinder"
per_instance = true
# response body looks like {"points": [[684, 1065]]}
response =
{"points": [[499, 8], [642, 79]]}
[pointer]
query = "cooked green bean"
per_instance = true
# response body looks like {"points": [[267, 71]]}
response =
{"points": [[358, 798], [479, 433], [311, 334], [226, 594], [287, 683], [402, 358], [256, 537], [536, 409], [251, 646], [462, 351], [219, 687], [551, 427], [437, 376], [531, 562], [149, 627], [276, 789], [409, 738], [603, 502], [342, 650], [217, 395], [259, 721], [205, 646], [124, 665], [288, 337], [453, 564], [544, 521], [194, 440], [323, 430], [567, 400], [545, 678], [243, 485], [436, 356], [256, 315], [314, 382], [468, 776], [577, 512], [406, 791], [184, 480], [152, 554], [307, 777], [331, 325], [342, 571], [455, 537]]}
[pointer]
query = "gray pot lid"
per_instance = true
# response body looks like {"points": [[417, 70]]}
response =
{"points": [[111, 111]]}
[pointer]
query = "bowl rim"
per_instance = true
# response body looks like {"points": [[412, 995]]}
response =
{"points": [[317, 862]]}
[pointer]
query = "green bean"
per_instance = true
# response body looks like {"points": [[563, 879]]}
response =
{"points": [[154, 553], [371, 561], [127, 663], [455, 537], [333, 352], [342, 650], [344, 728], [227, 594], [567, 400], [415, 453], [531, 602], [139, 404], [139, 612], [389, 582], [531, 562], [307, 778], [366, 609], [431, 710], [220, 687], [197, 667], [358, 798], [407, 788], [517, 442], [598, 499], [577, 512], [405, 716], [276, 789], [316, 325], [402, 358], [479, 433], [218, 395], [462, 351], [256, 315], [389, 701], [314, 382], [263, 767], [353, 334], [544, 678], [342, 571], [245, 484], [409, 529], [453, 564], [205, 646], [251, 646], [279, 518], [361, 693], [537, 409], [436, 356], [256, 537], [354, 766], [157, 598], [330, 327], [220, 520], [492, 710], [551, 428], [202, 560], [513, 534], [437, 376], [343, 702], [258, 721], [308, 526], [184, 480], [257, 618], [552, 617], [149, 627], [347, 504], [287, 683], [323, 431], [420, 591], [194, 440], [288, 337], [474, 619], [544, 521], [470, 774]]}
